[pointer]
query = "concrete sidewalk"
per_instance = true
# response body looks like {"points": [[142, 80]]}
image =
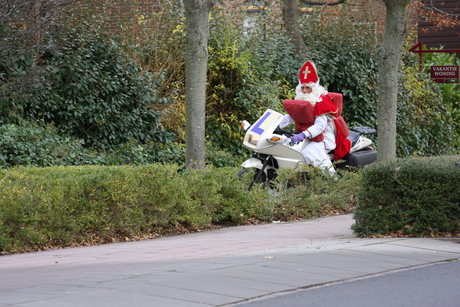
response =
{"points": [[217, 268]]}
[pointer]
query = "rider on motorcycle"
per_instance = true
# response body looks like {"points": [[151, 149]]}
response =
{"points": [[316, 118]]}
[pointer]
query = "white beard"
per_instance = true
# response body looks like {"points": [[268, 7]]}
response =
{"points": [[314, 96]]}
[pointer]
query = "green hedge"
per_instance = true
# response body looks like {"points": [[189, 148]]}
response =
{"points": [[69, 206], [411, 196], [65, 206]]}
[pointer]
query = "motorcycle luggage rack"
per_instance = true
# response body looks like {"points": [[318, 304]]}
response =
{"points": [[363, 129]]}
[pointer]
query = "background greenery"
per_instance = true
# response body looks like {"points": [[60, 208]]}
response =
{"points": [[92, 84], [113, 84]]}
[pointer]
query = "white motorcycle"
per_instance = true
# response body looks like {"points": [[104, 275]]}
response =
{"points": [[273, 149]]}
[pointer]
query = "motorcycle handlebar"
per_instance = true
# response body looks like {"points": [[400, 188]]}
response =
{"points": [[285, 132]]}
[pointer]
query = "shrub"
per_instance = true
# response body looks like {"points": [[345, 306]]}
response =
{"points": [[81, 81], [41, 145], [417, 196], [311, 193], [450, 93], [82, 205], [345, 53], [51, 207], [250, 69], [68, 205], [97, 94], [346, 56], [424, 122]]}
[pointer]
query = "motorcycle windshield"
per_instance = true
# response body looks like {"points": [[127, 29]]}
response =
{"points": [[265, 124]]}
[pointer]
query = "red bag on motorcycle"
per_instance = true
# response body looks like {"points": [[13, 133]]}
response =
{"points": [[303, 113]]}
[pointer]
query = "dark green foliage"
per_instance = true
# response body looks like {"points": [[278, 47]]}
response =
{"points": [[247, 73], [81, 81], [346, 57], [39, 145], [76, 76], [409, 196], [450, 93], [97, 95], [425, 116], [311, 193]]}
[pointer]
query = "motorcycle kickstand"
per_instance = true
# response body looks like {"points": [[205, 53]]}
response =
{"points": [[260, 172]]}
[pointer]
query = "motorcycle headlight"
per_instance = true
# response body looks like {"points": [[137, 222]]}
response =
{"points": [[253, 139]]}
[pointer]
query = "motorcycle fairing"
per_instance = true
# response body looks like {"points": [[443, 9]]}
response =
{"points": [[261, 126]]}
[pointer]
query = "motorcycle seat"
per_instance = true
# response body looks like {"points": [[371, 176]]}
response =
{"points": [[353, 137]]}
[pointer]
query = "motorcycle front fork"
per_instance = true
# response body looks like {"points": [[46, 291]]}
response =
{"points": [[271, 173]]}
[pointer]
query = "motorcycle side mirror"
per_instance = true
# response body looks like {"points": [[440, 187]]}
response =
{"points": [[245, 125]]}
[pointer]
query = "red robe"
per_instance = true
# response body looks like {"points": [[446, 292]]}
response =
{"points": [[304, 115]]}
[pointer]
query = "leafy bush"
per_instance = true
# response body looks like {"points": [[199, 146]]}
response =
{"points": [[157, 45], [40, 145], [450, 93], [248, 72], [310, 193], [424, 121], [97, 94], [346, 57], [63, 206], [417, 196], [85, 86]]}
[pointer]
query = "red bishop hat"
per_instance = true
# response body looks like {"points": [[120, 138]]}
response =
{"points": [[308, 74]]}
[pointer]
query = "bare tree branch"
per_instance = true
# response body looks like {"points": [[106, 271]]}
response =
{"points": [[432, 7], [8, 7], [323, 3], [438, 17]]}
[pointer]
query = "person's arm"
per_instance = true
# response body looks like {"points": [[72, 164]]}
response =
{"points": [[286, 121], [317, 128]]}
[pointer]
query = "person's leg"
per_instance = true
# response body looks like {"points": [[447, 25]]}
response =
{"points": [[315, 154]]}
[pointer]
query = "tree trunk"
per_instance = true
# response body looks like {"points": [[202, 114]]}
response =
{"points": [[196, 62], [291, 14], [390, 55]]}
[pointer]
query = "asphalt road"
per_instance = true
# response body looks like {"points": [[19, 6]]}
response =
{"points": [[428, 286]]}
